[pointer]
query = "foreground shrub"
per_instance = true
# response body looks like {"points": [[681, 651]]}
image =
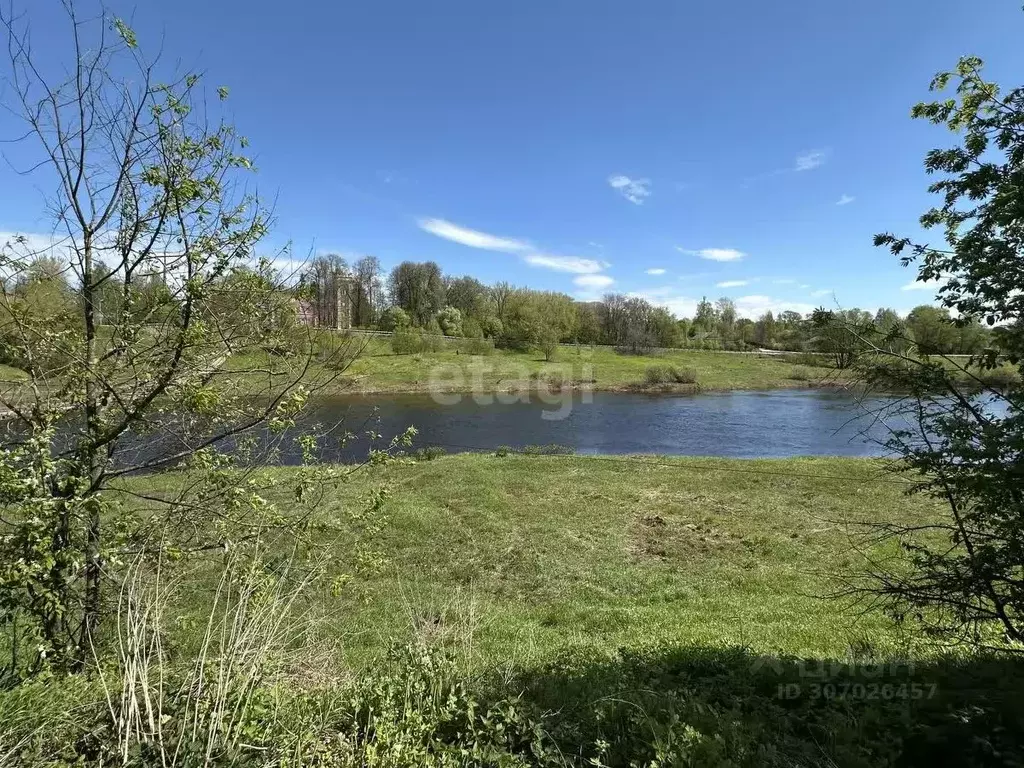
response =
{"points": [[477, 346], [433, 342], [643, 706], [407, 341], [664, 706]]}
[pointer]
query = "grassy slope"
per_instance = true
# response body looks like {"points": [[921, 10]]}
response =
{"points": [[525, 555]]}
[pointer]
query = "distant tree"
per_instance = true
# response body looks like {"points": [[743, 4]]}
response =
{"points": [[39, 297], [472, 329], [367, 291], [841, 334], [492, 327], [547, 340], [322, 280], [725, 309], [932, 330], [664, 328], [972, 338], [558, 311], [500, 295], [790, 319], [468, 295], [766, 329], [745, 331], [588, 323], [109, 299], [394, 318], [891, 328], [706, 317], [523, 323], [418, 288], [450, 320], [628, 322]]}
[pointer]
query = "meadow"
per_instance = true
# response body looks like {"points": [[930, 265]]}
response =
{"points": [[378, 370], [555, 610]]}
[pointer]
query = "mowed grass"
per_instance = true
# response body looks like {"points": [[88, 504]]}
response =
{"points": [[518, 557]]}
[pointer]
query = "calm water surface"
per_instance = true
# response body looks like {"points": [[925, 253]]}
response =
{"points": [[729, 424]]}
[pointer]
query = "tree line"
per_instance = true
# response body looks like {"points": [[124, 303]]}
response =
{"points": [[418, 295]]}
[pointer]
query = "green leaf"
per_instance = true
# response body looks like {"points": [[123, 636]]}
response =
{"points": [[126, 33]]}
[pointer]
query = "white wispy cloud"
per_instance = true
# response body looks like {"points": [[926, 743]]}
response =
{"points": [[28, 245], [575, 264], [634, 190], [822, 292], [593, 281], [655, 271], [472, 237], [923, 285], [668, 296], [804, 286], [755, 306], [715, 254], [682, 305], [845, 200], [732, 283], [810, 160], [386, 176]]}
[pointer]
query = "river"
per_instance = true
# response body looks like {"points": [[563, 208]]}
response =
{"points": [[777, 423]]}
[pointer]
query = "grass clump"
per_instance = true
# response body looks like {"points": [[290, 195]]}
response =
{"points": [[476, 346], [430, 453], [410, 341], [669, 374], [801, 373]]}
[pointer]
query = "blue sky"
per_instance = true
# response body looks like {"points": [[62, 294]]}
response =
{"points": [[747, 149]]}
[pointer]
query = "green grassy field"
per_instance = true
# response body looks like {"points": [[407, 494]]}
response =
{"points": [[9, 373], [571, 611], [519, 557], [378, 370]]}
